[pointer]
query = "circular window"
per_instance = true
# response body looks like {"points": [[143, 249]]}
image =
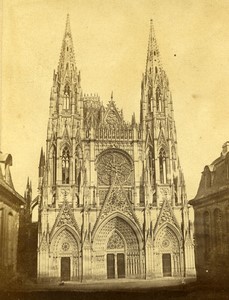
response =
{"points": [[114, 167], [165, 243], [65, 246]]}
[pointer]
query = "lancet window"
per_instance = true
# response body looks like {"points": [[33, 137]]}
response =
{"points": [[65, 165], [54, 165], [162, 166], [174, 159], [66, 97], [158, 99]]}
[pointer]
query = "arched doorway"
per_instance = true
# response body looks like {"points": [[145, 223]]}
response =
{"points": [[116, 256], [116, 251], [64, 256], [167, 253]]}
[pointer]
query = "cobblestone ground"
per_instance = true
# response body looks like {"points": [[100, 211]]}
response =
{"points": [[166, 288]]}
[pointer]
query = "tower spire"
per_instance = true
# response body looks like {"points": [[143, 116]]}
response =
{"points": [[67, 63], [153, 57]]}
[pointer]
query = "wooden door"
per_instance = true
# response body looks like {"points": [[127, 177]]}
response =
{"points": [[110, 266], [121, 265], [65, 268], [166, 262]]}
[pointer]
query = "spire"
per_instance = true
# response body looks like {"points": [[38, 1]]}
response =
{"points": [[41, 164], [67, 63], [153, 58], [150, 42]]}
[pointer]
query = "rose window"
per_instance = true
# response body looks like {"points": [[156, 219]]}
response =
{"points": [[65, 246], [165, 243], [114, 167]]}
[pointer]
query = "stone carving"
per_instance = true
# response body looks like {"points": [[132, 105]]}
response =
{"points": [[117, 201], [166, 215], [65, 242], [112, 118], [165, 243], [165, 193], [65, 246], [166, 239], [115, 242], [117, 225], [65, 217], [65, 193], [161, 139]]}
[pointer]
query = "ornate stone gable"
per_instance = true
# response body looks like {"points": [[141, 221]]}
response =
{"points": [[65, 136], [115, 241], [166, 216], [65, 217], [149, 140], [116, 201], [112, 116], [167, 240]]}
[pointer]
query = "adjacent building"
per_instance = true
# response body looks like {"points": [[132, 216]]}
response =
{"points": [[10, 203], [112, 200], [211, 207]]}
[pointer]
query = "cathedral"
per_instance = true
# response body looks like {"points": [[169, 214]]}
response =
{"points": [[112, 200]]}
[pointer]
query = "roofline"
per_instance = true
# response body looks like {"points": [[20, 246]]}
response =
{"points": [[198, 201], [15, 194]]}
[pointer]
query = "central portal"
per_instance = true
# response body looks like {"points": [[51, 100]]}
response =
{"points": [[115, 265]]}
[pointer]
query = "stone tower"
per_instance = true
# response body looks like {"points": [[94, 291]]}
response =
{"points": [[112, 201]]}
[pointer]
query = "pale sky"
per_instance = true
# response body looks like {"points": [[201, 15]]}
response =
{"points": [[110, 41]]}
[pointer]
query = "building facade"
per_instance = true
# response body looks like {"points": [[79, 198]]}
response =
{"points": [[211, 207], [112, 200], [10, 203]]}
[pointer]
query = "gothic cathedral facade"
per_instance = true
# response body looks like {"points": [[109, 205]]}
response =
{"points": [[112, 200]]}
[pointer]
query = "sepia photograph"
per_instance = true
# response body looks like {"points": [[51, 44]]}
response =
{"points": [[114, 149]]}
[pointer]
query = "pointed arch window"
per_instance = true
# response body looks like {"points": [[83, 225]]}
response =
{"points": [[66, 97], [54, 165], [149, 98], [162, 166], [158, 99], [65, 165], [173, 159]]}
